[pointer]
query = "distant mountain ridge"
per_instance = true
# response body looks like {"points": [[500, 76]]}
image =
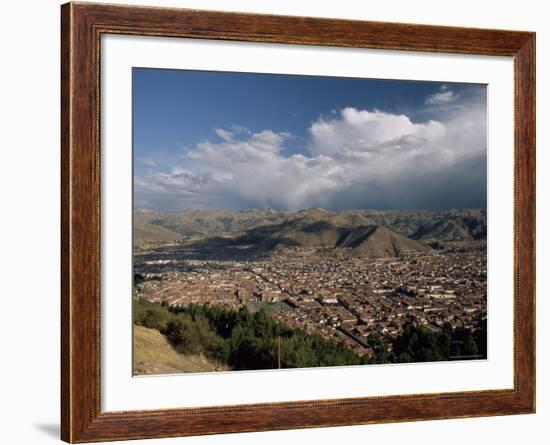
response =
{"points": [[200, 222], [311, 226]]}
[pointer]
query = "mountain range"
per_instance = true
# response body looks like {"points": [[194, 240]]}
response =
{"points": [[369, 233]]}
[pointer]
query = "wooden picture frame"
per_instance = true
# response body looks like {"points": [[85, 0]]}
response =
{"points": [[82, 25]]}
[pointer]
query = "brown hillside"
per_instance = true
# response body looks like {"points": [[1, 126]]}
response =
{"points": [[153, 354], [152, 232], [377, 241]]}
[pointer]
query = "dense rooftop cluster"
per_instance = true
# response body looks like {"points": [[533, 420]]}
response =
{"points": [[338, 295]]}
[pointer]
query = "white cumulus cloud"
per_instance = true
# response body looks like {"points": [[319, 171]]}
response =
{"points": [[356, 158], [368, 131]]}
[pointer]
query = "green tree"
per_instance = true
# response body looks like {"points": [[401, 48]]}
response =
{"points": [[420, 344], [184, 336], [380, 352]]}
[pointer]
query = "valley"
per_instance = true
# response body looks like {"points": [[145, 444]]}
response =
{"points": [[349, 276]]}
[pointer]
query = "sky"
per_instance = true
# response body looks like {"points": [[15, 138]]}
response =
{"points": [[216, 140]]}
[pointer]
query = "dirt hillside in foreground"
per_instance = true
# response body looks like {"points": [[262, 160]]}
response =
{"points": [[154, 355]]}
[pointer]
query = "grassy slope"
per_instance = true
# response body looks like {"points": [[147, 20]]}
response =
{"points": [[151, 232], [154, 355]]}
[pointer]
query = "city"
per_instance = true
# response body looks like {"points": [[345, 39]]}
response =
{"points": [[340, 296]]}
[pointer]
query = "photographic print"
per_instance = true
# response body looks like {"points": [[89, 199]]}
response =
{"points": [[288, 216], [289, 221]]}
